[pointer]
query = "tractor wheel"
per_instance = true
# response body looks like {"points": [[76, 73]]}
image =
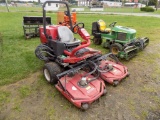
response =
{"points": [[50, 70], [97, 41], [115, 48]]}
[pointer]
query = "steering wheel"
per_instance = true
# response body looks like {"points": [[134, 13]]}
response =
{"points": [[77, 26], [112, 24]]}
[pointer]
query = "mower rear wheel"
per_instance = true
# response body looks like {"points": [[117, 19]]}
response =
{"points": [[50, 70], [115, 48], [85, 106], [97, 41]]}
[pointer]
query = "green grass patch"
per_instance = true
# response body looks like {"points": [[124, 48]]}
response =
{"points": [[24, 91], [86, 9], [4, 98]]}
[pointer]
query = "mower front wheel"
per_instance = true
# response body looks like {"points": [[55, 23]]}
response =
{"points": [[115, 48], [97, 41], [50, 70]]}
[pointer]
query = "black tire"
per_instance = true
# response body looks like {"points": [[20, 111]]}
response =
{"points": [[97, 41], [115, 83], [50, 70], [105, 91], [84, 106], [115, 48]]}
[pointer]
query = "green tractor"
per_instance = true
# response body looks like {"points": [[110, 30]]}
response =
{"points": [[120, 40]]}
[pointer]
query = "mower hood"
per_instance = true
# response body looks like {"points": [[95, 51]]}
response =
{"points": [[123, 29], [81, 92], [118, 72]]}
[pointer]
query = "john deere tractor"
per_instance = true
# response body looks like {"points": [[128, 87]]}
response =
{"points": [[120, 40]]}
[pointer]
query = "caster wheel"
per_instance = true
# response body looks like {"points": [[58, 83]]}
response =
{"points": [[104, 91], [85, 106], [128, 75], [115, 83]]}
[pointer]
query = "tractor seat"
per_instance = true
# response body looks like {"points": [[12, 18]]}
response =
{"points": [[102, 26], [66, 36]]}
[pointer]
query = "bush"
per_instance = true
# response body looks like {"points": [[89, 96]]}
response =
{"points": [[147, 9]]}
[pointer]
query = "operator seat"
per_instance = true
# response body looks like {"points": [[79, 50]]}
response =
{"points": [[66, 36], [102, 26]]}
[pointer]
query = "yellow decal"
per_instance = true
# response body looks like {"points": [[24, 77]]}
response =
{"points": [[87, 88]]}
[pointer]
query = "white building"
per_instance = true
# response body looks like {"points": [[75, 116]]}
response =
{"points": [[112, 4], [51, 6]]}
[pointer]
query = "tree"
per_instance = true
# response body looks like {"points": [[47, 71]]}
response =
{"points": [[154, 2]]}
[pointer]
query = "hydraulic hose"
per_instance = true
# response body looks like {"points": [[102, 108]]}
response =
{"points": [[94, 70], [104, 71]]}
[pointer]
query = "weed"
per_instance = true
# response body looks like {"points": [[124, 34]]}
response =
{"points": [[51, 114], [156, 99], [17, 108], [131, 105], [24, 91], [4, 98], [148, 89], [144, 114]]}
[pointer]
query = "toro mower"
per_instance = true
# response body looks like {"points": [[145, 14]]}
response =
{"points": [[64, 57], [73, 67], [120, 40]]}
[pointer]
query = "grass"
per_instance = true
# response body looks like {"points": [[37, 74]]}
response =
{"points": [[17, 61], [86, 9], [17, 54], [24, 91], [4, 98]]}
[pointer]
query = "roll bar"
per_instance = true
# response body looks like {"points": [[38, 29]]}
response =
{"points": [[44, 14]]}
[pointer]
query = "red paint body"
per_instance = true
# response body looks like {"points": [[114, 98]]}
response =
{"points": [[78, 95], [118, 73], [52, 31]]}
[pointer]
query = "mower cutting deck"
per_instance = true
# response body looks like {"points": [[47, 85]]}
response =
{"points": [[112, 71], [80, 87]]}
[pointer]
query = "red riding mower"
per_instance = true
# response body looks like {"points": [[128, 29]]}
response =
{"points": [[71, 65]]}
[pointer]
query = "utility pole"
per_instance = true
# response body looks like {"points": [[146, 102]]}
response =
{"points": [[156, 5], [7, 5]]}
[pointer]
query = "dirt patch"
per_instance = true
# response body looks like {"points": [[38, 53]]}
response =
{"points": [[136, 97]]}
